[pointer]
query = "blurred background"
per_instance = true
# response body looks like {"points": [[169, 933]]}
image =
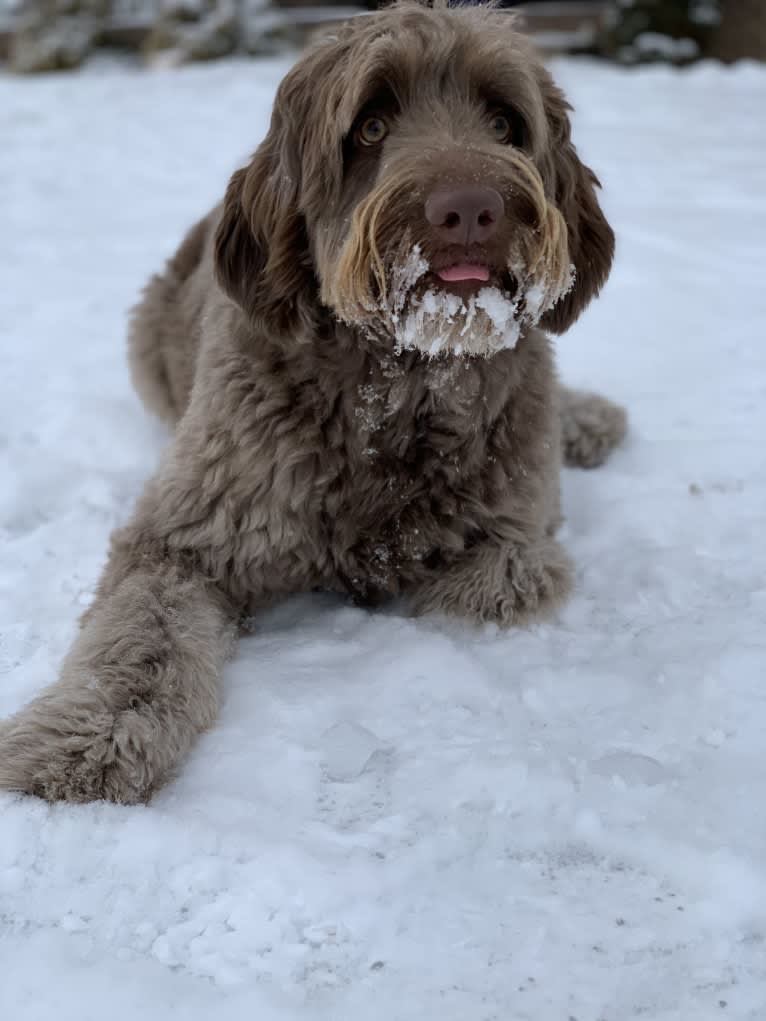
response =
{"points": [[46, 35]]}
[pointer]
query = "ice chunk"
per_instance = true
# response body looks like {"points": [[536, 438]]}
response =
{"points": [[631, 767], [347, 750]]}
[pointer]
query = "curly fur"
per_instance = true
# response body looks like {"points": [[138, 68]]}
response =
{"points": [[310, 451]]}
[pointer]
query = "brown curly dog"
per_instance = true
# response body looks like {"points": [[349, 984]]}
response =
{"points": [[353, 348]]}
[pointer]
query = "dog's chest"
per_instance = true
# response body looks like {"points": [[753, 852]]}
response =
{"points": [[397, 403], [415, 448], [409, 427]]}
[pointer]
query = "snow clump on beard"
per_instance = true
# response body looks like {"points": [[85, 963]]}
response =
{"points": [[440, 322]]}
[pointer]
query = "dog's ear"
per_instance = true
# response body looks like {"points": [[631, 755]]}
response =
{"points": [[262, 258], [573, 187]]}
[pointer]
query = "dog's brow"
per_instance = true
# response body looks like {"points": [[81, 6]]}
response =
{"points": [[382, 89], [379, 97]]}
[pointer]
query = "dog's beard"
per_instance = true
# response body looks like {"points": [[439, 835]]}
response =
{"points": [[436, 321]]}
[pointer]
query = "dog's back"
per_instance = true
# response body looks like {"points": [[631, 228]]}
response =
{"points": [[165, 326]]}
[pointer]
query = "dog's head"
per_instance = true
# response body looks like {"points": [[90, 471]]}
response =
{"points": [[417, 180]]}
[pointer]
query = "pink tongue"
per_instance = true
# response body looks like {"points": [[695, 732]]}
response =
{"points": [[464, 271]]}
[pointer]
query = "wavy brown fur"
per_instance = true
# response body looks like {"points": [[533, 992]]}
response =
{"points": [[308, 452]]}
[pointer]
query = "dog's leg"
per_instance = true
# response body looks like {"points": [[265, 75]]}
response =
{"points": [[212, 535], [137, 687], [506, 585], [591, 427]]}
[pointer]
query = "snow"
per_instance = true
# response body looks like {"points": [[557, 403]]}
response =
{"points": [[405, 273], [404, 819], [654, 44], [440, 323]]}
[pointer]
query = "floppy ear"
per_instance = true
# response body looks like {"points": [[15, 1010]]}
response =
{"points": [[262, 258], [590, 238]]}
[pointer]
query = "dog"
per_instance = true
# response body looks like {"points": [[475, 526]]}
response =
{"points": [[352, 350]]}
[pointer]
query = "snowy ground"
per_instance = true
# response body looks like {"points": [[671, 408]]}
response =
{"points": [[401, 819]]}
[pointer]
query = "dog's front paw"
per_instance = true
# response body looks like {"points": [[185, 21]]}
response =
{"points": [[503, 586], [538, 579], [65, 750], [591, 427]]}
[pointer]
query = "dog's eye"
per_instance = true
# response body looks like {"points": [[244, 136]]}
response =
{"points": [[502, 128], [372, 130]]}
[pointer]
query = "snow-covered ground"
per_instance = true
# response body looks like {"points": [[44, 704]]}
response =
{"points": [[407, 819]]}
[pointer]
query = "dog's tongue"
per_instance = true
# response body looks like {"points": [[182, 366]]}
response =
{"points": [[463, 271]]}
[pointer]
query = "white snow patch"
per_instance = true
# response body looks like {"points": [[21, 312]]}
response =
{"points": [[404, 275], [440, 322]]}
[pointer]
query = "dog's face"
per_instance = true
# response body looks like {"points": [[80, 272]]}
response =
{"points": [[418, 181]]}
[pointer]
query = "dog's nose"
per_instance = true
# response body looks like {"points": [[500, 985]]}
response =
{"points": [[465, 214]]}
